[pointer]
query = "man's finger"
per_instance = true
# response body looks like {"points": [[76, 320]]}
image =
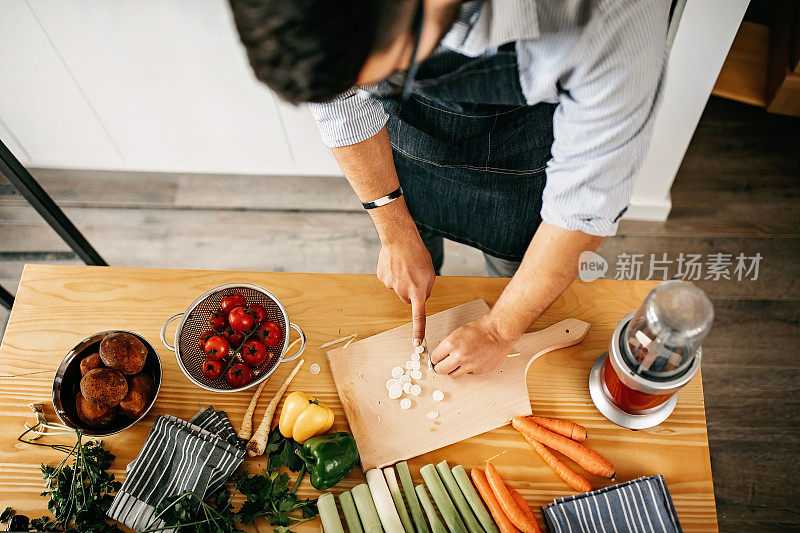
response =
{"points": [[447, 365], [459, 372], [441, 351], [417, 319]]}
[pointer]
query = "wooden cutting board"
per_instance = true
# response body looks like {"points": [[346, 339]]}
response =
{"points": [[472, 405]]}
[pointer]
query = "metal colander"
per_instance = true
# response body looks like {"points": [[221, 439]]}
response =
{"points": [[194, 321]]}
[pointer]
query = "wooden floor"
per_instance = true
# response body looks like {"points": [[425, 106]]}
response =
{"points": [[737, 191]]}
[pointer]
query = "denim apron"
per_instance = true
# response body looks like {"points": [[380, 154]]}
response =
{"points": [[470, 153]]}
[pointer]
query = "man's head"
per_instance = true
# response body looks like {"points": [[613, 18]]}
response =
{"points": [[313, 50]]}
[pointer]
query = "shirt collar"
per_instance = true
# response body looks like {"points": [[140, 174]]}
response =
{"points": [[485, 24]]}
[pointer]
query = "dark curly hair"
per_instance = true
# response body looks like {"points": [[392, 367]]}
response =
{"points": [[313, 50]]}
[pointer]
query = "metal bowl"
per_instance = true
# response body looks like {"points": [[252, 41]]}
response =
{"points": [[66, 385], [194, 321]]}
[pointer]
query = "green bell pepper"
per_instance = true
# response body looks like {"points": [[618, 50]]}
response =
{"points": [[328, 458]]}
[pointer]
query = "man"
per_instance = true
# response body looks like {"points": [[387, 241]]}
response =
{"points": [[514, 126]]}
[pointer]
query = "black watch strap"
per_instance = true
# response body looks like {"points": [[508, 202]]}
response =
{"points": [[394, 195]]}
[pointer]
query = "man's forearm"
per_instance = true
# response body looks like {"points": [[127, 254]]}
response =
{"points": [[369, 167], [549, 266]]}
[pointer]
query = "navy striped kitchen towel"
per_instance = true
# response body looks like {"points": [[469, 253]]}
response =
{"points": [[178, 456], [642, 506]]}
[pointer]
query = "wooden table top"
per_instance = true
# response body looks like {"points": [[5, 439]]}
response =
{"points": [[57, 306]]}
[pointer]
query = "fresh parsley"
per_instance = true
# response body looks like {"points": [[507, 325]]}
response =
{"points": [[79, 493]]}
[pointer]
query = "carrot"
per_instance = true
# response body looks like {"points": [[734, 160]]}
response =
{"points": [[569, 429], [479, 479], [517, 516], [519, 499], [589, 459], [573, 479]]}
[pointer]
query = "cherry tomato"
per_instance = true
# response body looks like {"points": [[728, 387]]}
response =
{"points": [[240, 319], [259, 313], [212, 369], [269, 333], [235, 338], [229, 303], [254, 352], [239, 375], [207, 334], [216, 347], [219, 321]]}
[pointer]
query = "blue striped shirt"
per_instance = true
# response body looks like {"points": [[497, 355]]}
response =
{"points": [[601, 61]]}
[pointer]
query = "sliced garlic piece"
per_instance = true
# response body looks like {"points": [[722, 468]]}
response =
{"points": [[414, 365], [407, 387], [405, 378], [397, 372], [410, 365], [419, 349], [395, 392], [415, 356], [416, 374], [431, 414], [438, 395], [415, 390], [390, 383], [405, 403]]}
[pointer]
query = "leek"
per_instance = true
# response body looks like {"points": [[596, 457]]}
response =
{"points": [[397, 496], [458, 498], [412, 498], [387, 513], [436, 524], [366, 509], [474, 499], [350, 513], [329, 514], [443, 501]]}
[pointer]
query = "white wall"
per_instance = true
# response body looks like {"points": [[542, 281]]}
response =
{"points": [[148, 85]]}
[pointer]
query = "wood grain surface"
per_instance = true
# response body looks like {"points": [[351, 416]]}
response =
{"points": [[58, 306], [472, 405]]}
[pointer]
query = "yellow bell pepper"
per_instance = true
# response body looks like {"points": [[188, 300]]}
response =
{"points": [[303, 417]]}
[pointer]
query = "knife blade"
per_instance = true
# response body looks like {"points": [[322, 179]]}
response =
{"points": [[427, 353]]}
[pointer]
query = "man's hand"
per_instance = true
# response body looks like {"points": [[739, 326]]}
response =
{"points": [[406, 267], [404, 263], [476, 348], [549, 266]]}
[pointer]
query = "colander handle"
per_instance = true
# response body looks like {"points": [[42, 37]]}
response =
{"points": [[302, 343], [164, 331]]}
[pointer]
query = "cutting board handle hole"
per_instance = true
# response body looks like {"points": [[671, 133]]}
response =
{"points": [[567, 331]]}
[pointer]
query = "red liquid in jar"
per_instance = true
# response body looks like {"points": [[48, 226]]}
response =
{"points": [[626, 398]]}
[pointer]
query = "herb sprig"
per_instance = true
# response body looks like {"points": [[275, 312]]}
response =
{"points": [[79, 493]]}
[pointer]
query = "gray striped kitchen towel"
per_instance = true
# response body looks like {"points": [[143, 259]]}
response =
{"points": [[178, 456], [642, 506]]}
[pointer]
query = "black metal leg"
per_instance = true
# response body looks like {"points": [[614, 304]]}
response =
{"points": [[30, 189], [5, 298]]}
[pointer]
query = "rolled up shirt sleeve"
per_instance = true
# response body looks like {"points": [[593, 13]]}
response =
{"points": [[604, 118], [348, 119]]}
